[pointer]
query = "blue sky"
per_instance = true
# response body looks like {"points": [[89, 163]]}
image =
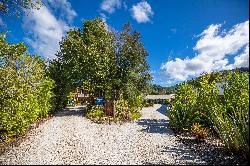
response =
{"points": [[184, 38]]}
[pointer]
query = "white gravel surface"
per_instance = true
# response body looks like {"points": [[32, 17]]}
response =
{"points": [[70, 138]]}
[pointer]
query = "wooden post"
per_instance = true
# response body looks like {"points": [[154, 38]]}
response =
{"points": [[114, 109], [114, 98]]}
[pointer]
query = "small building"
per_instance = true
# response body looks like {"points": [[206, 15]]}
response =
{"points": [[81, 96], [220, 86], [160, 99]]}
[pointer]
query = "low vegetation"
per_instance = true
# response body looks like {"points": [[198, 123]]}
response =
{"points": [[148, 103], [123, 112], [95, 112], [199, 132], [198, 107]]}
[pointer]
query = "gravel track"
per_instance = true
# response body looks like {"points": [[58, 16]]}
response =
{"points": [[70, 138]]}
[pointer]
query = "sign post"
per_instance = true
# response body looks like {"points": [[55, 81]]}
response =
{"points": [[99, 101]]}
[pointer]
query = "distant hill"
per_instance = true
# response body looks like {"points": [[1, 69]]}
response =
{"points": [[160, 90], [219, 75]]}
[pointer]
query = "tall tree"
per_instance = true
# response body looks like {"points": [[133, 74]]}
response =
{"points": [[15, 7], [103, 62], [132, 66], [87, 58]]}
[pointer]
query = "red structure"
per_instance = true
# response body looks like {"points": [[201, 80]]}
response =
{"points": [[109, 108]]}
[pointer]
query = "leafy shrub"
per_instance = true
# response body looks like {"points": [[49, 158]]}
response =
{"points": [[167, 101], [136, 115], [95, 112], [62, 87], [71, 104], [198, 131], [71, 100], [25, 90], [182, 115], [207, 100], [127, 112], [231, 122], [135, 102], [122, 108], [227, 115], [151, 103]]}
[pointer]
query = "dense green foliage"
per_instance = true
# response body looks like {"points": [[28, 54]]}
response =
{"points": [[95, 112], [199, 102], [184, 113], [62, 88], [16, 6], [132, 69], [102, 62], [25, 90], [122, 108], [231, 120]]}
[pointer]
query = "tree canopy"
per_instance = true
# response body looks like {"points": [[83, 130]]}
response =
{"points": [[103, 62], [15, 7]]}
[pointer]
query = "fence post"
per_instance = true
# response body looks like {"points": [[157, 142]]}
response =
{"points": [[114, 109]]}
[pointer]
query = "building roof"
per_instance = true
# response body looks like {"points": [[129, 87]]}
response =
{"points": [[160, 96], [82, 95]]}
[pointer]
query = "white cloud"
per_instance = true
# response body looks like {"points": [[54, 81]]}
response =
{"points": [[142, 12], [125, 6], [214, 49], [3, 25], [64, 8], [241, 60], [111, 5], [104, 17], [1, 22], [45, 30]]}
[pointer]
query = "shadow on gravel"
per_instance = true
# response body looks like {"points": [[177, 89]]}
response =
{"points": [[209, 153], [71, 111], [163, 110], [155, 126], [186, 156]]}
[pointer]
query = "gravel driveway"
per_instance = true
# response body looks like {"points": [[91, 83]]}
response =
{"points": [[69, 138]]}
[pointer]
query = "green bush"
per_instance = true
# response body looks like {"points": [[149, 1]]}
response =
{"points": [[62, 86], [122, 108], [182, 115], [124, 111], [70, 105], [151, 103], [199, 132], [231, 122], [25, 90], [227, 115], [136, 115], [95, 112], [135, 102], [148, 103], [167, 101], [207, 100]]}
